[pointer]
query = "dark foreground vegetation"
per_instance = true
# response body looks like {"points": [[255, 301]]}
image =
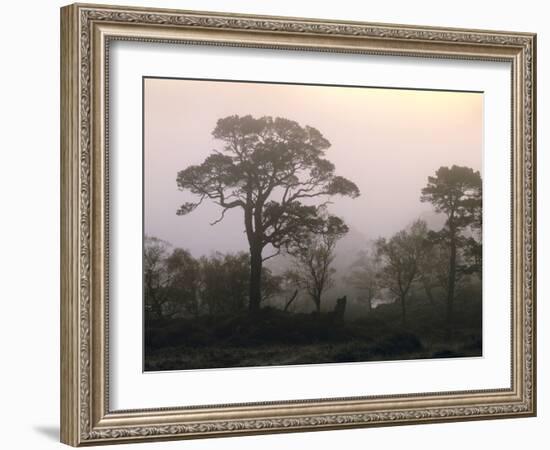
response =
{"points": [[275, 337]]}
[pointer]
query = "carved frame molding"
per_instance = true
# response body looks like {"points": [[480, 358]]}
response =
{"points": [[86, 31]]}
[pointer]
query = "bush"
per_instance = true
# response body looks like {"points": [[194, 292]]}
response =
{"points": [[398, 344]]}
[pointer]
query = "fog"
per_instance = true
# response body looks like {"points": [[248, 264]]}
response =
{"points": [[387, 141]]}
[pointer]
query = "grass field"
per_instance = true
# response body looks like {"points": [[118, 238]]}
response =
{"points": [[278, 338]]}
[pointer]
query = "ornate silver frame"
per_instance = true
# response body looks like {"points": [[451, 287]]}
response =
{"points": [[86, 31]]}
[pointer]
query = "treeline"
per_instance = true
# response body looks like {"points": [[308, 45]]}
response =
{"points": [[274, 171], [437, 261], [416, 259], [415, 263], [177, 284], [399, 292]]}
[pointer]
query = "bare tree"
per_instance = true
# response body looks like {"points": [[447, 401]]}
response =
{"points": [[401, 256], [313, 257], [156, 278], [364, 276]]}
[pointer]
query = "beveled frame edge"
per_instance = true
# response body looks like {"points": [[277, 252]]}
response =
{"points": [[85, 31]]}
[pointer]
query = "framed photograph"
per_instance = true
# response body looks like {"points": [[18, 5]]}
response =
{"points": [[274, 224]]}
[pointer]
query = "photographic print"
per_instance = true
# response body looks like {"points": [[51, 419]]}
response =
{"points": [[294, 224]]}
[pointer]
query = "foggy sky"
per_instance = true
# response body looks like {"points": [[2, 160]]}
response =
{"points": [[387, 141]]}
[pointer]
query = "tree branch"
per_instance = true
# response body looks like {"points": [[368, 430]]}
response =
{"points": [[220, 218], [278, 252]]}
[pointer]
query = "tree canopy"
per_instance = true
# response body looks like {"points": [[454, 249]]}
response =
{"points": [[272, 169], [455, 192]]}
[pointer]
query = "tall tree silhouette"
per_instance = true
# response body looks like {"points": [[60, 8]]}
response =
{"points": [[455, 192], [267, 168]]}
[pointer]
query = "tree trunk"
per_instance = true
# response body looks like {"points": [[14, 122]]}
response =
{"points": [[428, 289], [289, 302], [403, 309], [369, 302], [451, 286], [255, 278], [317, 301]]}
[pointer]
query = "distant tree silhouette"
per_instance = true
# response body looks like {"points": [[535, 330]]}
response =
{"points": [[455, 192], [271, 285], [313, 256], [473, 246], [364, 276], [156, 278], [183, 273], [434, 265], [401, 256], [224, 282], [267, 168]]}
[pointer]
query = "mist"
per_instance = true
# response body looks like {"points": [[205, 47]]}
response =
{"points": [[387, 141]]}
